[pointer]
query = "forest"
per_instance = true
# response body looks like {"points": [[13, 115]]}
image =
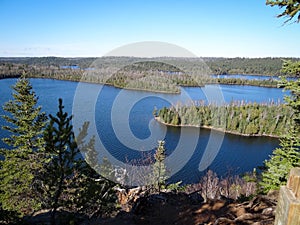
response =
{"points": [[270, 119], [148, 74], [258, 66]]}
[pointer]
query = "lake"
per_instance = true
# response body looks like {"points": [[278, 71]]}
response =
{"points": [[123, 122]]}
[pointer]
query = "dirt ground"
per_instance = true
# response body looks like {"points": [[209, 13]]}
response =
{"points": [[180, 209]]}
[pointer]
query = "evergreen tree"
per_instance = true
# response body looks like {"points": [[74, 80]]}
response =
{"points": [[288, 156], [22, 165], [95, 193], [88, 148], [283, 159], [107, 169], [65, 159], [159, 170], [291, 68], [71, 182], [291, 8]]}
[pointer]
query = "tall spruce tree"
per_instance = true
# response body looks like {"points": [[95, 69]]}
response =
{"points": [[287, 156], [22, 165]]}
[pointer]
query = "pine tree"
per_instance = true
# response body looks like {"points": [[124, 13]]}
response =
{"points": [[88, 148], [107, 169], [23, 163], [65, 160], [159, 170], [291, 8], [71, 182], [288, 156], [95, 193]]}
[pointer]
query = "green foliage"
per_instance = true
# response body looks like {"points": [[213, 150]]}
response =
{"points": [[44, 167], [238, 81], [20, 169], [176, 187], [294, 99], [292, 68], [236, 117], [291, 8], [26, 121], [107, 169], [70, 181], [281, 162], [143, 74], [287, 156], [95, 193], [264, 66], [159, 168], [65, 163]]}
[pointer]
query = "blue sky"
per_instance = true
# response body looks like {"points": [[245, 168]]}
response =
{"points": [[73, 28]]}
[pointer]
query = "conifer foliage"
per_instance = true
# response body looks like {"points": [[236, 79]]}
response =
{"points": [[65, 161], [19, 171], [159, 170], [44, 168], [237, 117], [71, 183], [288, 155], [291, 8]]}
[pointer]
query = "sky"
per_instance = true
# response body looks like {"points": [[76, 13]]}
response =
{"points": [[89, 28]]}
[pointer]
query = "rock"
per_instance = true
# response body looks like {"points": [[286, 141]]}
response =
{"points": [[140, 205], [127, 197], [270, 211], [62, 217], [238, 211], [273, 194], [196, 198]]}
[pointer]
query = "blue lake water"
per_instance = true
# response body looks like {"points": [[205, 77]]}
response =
{"points": [[125, 127]]}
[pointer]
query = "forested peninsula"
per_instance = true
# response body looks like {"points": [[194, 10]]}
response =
{"points": [[247, 119], [164, 74]]}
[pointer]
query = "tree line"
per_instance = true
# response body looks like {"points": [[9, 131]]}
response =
{"points": [[237, 117], [145, 75], [259, 66]]}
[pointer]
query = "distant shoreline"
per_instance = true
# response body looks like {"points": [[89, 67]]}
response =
{"points": [[75, 79], [157, 118]]}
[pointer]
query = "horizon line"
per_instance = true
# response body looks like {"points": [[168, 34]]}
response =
{"points": [[153, 57]]}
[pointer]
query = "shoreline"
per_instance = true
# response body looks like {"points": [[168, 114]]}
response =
{"points": [[157, 118], [75, 79], [245, 84]]}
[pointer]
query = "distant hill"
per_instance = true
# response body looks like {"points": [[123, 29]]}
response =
{"points": [[162, 74], [263, 66]]}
